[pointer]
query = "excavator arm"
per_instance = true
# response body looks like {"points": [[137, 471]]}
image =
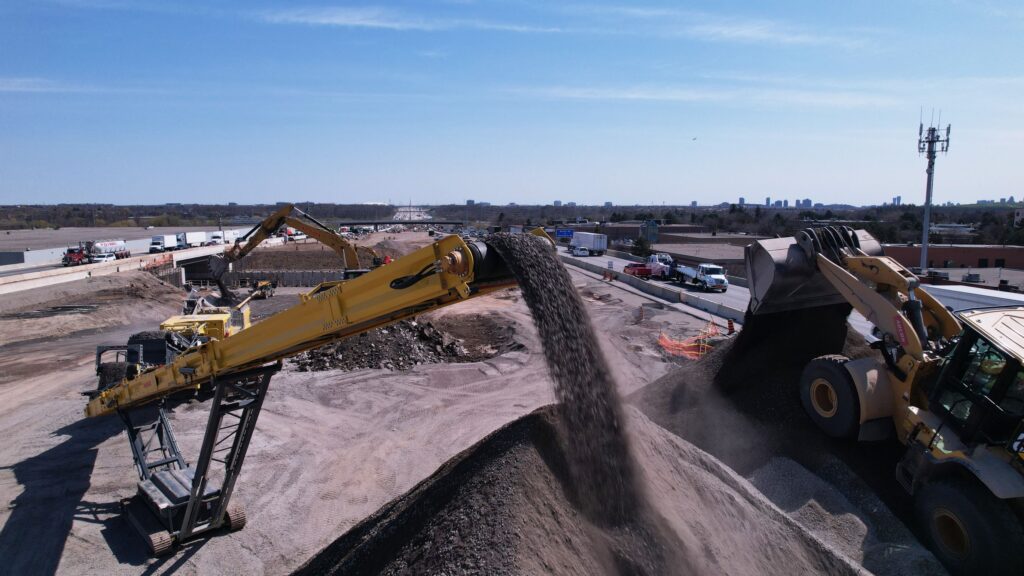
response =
{"points": [[446, 272], [287, 215]]}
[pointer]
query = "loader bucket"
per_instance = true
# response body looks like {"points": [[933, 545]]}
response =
{"points": [[783, 276]]}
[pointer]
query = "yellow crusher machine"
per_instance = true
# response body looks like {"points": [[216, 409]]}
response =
{"points": [[951, 388], [177, 500]]}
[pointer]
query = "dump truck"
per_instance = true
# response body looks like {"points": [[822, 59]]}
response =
{"points": [[177, 500], [949, 387]]}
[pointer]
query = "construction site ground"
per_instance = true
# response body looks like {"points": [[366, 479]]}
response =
{"points": [[332, 447]]}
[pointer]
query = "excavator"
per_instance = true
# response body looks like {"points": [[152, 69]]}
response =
{"points": [[288, 215], [950, 387], [177, 500]]}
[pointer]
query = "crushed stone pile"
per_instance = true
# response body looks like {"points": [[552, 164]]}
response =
{"points": [[408, 343], [509, 505], [562, 490], [741, 403]]}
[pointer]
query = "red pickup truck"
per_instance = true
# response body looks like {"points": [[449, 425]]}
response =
{"points": [[638, 269]]}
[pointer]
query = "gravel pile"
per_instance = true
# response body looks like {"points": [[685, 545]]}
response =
{"points": [[400, 346]]}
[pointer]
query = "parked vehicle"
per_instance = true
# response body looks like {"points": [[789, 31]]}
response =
{"points": [[163, 243], [191, 239], [638, 269], [596, 244], [704, 276]]}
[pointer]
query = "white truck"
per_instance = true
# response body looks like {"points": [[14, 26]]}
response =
{"points": [[163, 243], [588, 244], [191, 239], [222, 237], [660, 265], [704, 276]]}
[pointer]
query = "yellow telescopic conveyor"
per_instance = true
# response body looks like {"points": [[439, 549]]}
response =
{"points": [[448, 271]]}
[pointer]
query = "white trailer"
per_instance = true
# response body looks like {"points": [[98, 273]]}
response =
{"points": [[163, 243], [595, 244], [191, 239]]}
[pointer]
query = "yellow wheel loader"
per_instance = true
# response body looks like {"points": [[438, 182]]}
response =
{"points": [[950, 387]]}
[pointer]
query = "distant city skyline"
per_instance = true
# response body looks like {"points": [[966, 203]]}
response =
{"points": [[439, 101]]}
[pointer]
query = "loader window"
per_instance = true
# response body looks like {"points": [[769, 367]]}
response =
{"points": [[980, 391]]}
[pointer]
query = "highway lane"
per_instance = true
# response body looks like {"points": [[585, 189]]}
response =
{"points": [[736, 297], [27, 270]]}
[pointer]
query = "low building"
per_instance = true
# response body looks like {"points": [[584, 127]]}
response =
{"points": [[707, 238], [726, 255], [958, 255]]}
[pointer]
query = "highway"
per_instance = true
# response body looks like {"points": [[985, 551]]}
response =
{"points": [[736, 297], [29, 270]]}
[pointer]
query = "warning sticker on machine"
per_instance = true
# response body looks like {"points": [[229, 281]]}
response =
{"points": [[901, 332]]}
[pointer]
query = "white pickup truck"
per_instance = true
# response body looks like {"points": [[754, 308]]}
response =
{"points": [[704, 276]]}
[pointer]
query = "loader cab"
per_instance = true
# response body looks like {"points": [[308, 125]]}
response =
{"points": [[980, 391]]}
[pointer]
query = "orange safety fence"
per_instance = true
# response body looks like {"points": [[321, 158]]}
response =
{"points": [[694, 347]]}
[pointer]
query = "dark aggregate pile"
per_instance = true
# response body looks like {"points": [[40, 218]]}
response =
{"points": [[527, 489], [404, 345], [466, 517]]}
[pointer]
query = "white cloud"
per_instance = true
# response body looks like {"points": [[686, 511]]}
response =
{"points": [[388, 19], [39, 85], [715, 94], [715, 27]]}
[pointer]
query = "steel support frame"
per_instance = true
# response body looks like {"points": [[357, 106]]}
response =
{"points": [[238, 397], [141, 437]]}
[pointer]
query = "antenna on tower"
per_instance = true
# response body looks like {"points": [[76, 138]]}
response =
{"points": [[929, 144]]}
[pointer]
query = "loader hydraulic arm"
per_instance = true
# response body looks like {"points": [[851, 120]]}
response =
{"points": [[448, 271]]}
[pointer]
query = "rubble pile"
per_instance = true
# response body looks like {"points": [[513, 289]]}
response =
{"points": [[404, 345]]}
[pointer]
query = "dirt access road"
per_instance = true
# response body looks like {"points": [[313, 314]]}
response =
{"points": [[330, 447]]}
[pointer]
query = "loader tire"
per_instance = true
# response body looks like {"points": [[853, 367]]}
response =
{"points": [[111, 373], [968, 529], [830, 397]]}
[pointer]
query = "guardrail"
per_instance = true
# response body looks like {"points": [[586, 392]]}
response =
{"points": [[661, 291]]}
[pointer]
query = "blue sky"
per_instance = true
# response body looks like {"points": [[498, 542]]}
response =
{"points": [[506, 101]]}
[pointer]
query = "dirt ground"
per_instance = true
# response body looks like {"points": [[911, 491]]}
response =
{"points": [[331, 448]]}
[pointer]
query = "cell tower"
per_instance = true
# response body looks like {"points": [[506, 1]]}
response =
{"points": [[929, 143]]}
